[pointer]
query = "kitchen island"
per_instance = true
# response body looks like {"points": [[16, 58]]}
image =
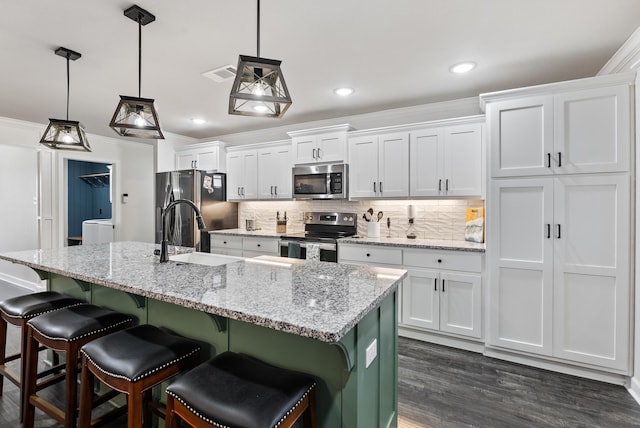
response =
{"points": [[335, 322]]}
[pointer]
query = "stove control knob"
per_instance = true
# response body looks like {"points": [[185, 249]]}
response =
{"points": [[350, 218], [344, 219]]}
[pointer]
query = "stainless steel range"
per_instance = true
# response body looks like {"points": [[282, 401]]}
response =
{"points": [[323, 229]]}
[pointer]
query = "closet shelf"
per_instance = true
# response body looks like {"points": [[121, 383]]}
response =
{"points": [[96, 180]]}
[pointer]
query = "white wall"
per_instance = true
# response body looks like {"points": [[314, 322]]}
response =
{"points": [[21, 171]]}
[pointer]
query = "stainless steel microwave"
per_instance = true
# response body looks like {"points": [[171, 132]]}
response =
{"points": [[328, 181]]}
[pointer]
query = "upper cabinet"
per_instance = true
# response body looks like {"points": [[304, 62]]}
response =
{"points": [[320, 145], [579, 128], [447, 161], [203, 156], [378, 166], [262, 171]]}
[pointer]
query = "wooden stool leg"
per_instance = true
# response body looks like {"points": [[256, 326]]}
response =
{"points": [[31, 378], [71, 381], [86, 395], [134, 406], [3, 348], [23, 366], [309, 418], [170, 418]]}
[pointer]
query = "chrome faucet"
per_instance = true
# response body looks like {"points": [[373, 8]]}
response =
{"points": [[164, 252]]}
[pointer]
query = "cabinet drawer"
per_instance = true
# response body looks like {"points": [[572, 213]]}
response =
{"points": [[232, 242], [370, 254], [448, 260], [261, 245]]}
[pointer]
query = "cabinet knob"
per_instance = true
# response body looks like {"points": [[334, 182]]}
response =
{"points": [[368, 255], [224, 242], [439, 260], [258, 245]]}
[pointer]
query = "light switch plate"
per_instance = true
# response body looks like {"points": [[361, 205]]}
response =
{"points": [[371, 353]]}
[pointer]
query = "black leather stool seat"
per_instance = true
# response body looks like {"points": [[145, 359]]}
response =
{"points": [[138, 352], [76, 322], [31, 305], [239, 391]]}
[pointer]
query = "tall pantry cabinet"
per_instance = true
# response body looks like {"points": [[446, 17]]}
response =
{"points": [[559, 245]]}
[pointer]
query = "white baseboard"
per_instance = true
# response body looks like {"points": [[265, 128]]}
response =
{"points": [[19, 282], [453, 342], [634, 389]]}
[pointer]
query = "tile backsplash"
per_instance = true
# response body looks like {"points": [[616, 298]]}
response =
{"points": [[435, 219]]}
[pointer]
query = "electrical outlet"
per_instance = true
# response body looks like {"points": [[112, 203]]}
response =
{"points": [[371, 353]]}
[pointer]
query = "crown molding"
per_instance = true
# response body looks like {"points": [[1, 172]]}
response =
{"points": [[627, 58]]}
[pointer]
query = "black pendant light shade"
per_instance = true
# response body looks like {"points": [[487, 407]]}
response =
{"points": [[136, 116], [66, 134], [259, 88]]}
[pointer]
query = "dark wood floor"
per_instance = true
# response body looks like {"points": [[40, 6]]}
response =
{"points": [[445, 387]]}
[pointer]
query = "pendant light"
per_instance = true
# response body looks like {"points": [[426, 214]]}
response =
{"points": [[136, 116], [66, 134], [259, 88]]}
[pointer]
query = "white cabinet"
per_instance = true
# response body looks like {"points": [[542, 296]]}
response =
{"points": [[226, 245], [274, 172], [443, 292], [559, 271], [568, 132], [244, 246], [378, 166], [204, 156], [242, 176], [323, 145], [447, 161]]}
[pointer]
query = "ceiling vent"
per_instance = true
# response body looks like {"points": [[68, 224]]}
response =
{"points": [[221, 74]]}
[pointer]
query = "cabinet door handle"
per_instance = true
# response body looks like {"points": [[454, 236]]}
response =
{"points": [[275, 190], [435, 284], [314, 153], [548, 230], [559, 158], [548, 160], [440, 185], [443, 285], [242, 190], [558, 235], [374, 187], [446, 187], [195, 163], [319, 155], [271, 190], [381, 187], [239, 191]]}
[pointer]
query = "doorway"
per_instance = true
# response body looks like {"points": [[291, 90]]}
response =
{"points": [[89, 204]]}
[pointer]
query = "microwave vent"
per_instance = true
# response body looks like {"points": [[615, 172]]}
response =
{"points": [[221, 74]]}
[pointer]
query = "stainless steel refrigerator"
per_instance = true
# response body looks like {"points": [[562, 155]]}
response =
{"points": [[208, 191]]}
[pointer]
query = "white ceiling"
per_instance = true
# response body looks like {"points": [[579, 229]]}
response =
{"points": [[395, 53]]}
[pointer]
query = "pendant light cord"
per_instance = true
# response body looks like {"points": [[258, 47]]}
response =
{"points": [[139, 56], [258, 30], [68, 84]]}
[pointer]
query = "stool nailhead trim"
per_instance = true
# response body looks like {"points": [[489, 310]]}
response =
{"points": [[90, 333], [40, 313], [211, 422], [142, 376]]}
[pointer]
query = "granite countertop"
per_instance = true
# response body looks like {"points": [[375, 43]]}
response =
{"points": [[432, 244], [320, 300]]}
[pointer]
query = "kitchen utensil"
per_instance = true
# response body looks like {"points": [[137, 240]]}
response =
{"points": [[380, 214], [366, 216], [388, 227], [370, 211]]}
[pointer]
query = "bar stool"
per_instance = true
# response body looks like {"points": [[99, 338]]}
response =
{"points": [[17, 311], [234, 390], [133, 361], [65, 331]]}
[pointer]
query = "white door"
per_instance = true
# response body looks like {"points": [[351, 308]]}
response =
{"points": [[420, 294], [426, 167], [185, 160], [520, 264], [305, 149], [461, 304], [521, 136], [331, 147], [207, 159], [592, 130], [267, 173], [363, 167], [250, 169], [463, 160], [591, 270], [235, 175], [282, 172], [393, 164]]}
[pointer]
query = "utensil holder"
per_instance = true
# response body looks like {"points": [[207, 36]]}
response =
{"points": [[373, 229], [281, 226]]}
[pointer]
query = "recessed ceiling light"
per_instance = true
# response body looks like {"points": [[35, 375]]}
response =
{"points": [[198, 121], [343, 92], [463, 67]]}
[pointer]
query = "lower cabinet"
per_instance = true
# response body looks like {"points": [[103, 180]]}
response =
{"points": [[442, 292], [244, 246]]}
